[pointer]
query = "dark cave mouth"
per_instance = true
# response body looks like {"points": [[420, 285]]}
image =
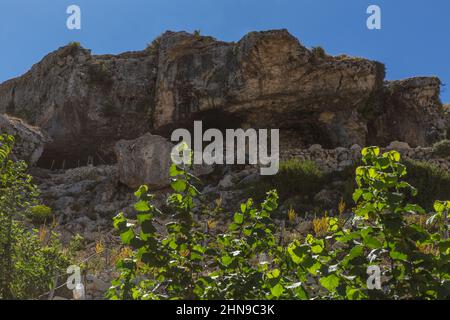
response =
{"points": [[62, 158]]}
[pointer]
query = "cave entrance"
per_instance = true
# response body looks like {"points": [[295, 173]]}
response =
{"points": [[57, 157]]}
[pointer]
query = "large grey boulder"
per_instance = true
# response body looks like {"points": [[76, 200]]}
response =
{"points": [[147, 160], [30, 141]]}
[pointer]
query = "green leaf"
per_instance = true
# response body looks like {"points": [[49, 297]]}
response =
{"points": [[175, 171], [353, 294], [142, 206], [227, 260], [316, 248], [238, 218], [120, 222], [372, 242], [330, 282], [396, 255], [141, 191], [127, 236], [275, 273], [357, 195], [179, 185], [277, 290]]}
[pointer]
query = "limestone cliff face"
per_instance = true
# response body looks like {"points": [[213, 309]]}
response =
{"points": [[86, 103], [411, 111], [267, 79]]}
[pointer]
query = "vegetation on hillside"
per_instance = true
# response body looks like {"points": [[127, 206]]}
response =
{"points": [[183, 259], [29, 258], [178, 252]]}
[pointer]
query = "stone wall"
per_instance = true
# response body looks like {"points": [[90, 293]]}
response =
{"points": [[338, 159]]}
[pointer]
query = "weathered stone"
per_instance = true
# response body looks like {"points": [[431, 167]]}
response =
{"points": [[398, 145], [356, 147], [315, 147], [30, 141], [227, 182], [305, 227], [409, 110], [147, 160], [84, 102], [327, 198]]}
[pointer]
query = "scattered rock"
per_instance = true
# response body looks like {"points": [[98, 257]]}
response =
{"points": [[315, 147], [327, 198], [398, 145], [226, 182], [305, 227]]}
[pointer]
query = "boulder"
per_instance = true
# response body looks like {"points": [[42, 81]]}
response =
{"points": [[398, 145], [147, 160], [30, 141], [327, 198]]}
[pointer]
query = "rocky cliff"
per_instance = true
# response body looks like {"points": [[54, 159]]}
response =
{"points": [[85, 103]]}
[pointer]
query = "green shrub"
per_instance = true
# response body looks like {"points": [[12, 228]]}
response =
{"points": [[197, 33], [29, 259], [251, 260], [40, 213], [442, 149], [301, 178], [318, 52], [70, 49], [413, 263], [432, 182]]}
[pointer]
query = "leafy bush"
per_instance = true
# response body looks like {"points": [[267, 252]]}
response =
{"points": [[380, 237], [70, 49], [39, 213], [197, 33], [252, 261], [442, 148], [295, 177], [29, 259], [318, 52], [431, 181], [38, 257]]}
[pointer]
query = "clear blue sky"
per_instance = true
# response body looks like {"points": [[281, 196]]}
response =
{"points": [[414, 39]]}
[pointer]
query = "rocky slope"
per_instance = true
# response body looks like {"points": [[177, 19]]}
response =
{"points": [[86, 103]]}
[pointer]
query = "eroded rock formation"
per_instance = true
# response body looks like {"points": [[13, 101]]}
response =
{"points": [[86, 103]]}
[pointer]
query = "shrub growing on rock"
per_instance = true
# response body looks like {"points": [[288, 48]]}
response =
{"points": [[251, 260], [39, 213], [318, 52], [299, 178], [442, 148], [29, 260], [431, 181]]}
